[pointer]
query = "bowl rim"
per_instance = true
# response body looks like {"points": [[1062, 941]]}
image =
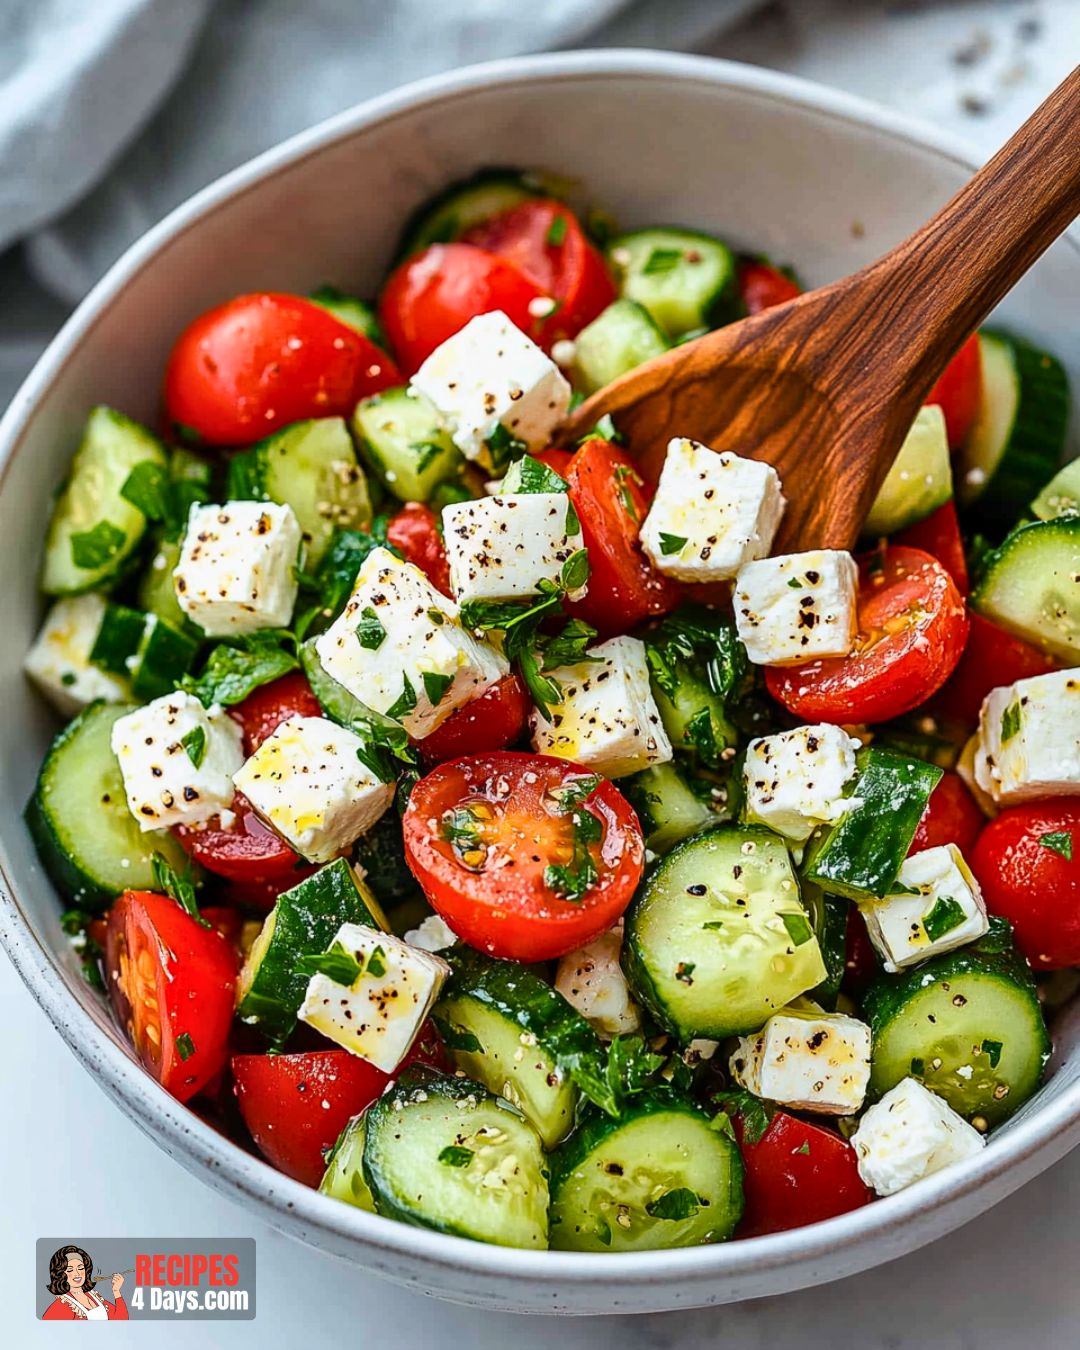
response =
{"points": [[212, 1156]]}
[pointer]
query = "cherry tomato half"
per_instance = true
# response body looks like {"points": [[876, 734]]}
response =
{"points": [[912, 629], [991, 657], [480, 834], [262, 895], [939, 535], [762, 286], [433, 295], [262, 712], [611, 499], [1027, 862], [261, 361], [958, 392], [491, 722], [172, 983], [414, 532], [952, 816], [244, 850], [296, 1105], [796, 1174], [544, 240]]}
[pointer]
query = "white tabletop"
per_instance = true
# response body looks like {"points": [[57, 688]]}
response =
{"points": [[997, 1284]]}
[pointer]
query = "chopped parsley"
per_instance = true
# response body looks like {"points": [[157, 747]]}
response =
{"points": [[798, 928], [803, 1148], [504, 446], [185, 1046], [755, 1113], [237, 668], [671, 543], [662, 260], [945, 915], [603, 430], [369, 631], [435, 686], [95, 548], [178, 886], [624, 475], [572, 880], [427, 452], [376, 963], [147, 489], [1010, 721], [992, 1051], [194, 742], [678, 1204], [336, 964], [405, 701], [575, 570], [454, 1155], [794, 584], [456, 1038], [556, 232]]}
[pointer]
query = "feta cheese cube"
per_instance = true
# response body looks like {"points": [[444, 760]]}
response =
{"points": [[794, 781], [797, 607], [237, 567], [938, 907], [608, 719], [431, 934], [59, 661], [177, 760], [713, 511], [378, 1016], [500, 547], [592, 981], [910, 1134], [492, 384], [1029, 739], [307, 783], [398, 647], [811, 1061]]}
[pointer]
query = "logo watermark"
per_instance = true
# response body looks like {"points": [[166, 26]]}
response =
{"points": [[152, 1279]]}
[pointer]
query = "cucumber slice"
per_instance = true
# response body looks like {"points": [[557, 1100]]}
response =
{"points": [[619, 339], [157, 593], [442, 1153], [507, 1028], [447, 216], [1028, 586], [920, 479], [402, 439], [1061, 496], [860, 856], [352, 312], [975, 1009], [1018, 440], [696, 662], [659, 1177], [717, 939], [829, 915], [302, 923], [685, 280], [164, 656], [666, 806], [118, 639], [344, 1175], [310, 466], [88, 841], [91, 521]]}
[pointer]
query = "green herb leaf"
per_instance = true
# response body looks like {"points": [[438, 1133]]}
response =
{"points": [[94, 548], [427, 452], [573, 880], [336, 964], [194, 742], [405, 701], [684, 972], [569, 647], [369, 631], [755, 1113], [575, 570], [675, 1205], [803, 1148], [572, 528], [504, 446], [1010, 721], [1059, 841], [237, 668], [671, 543], [329, 589], [147, 489], [794, 584], [605, 431], [721, 1123], [179, 886], [798, 928], [453, 1155], [624, 476], [435, 686], [456, 1038], [992, 1051], [556, 231], [376, 963], [528, 475], [714, 925], [461, 827], [662, 260], [945, 915], [185, 1046]]}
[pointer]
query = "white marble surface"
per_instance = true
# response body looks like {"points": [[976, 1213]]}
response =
{"points": [[1003, 1282]]}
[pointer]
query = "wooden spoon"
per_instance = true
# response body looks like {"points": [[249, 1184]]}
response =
{"points": [[826, 386]]}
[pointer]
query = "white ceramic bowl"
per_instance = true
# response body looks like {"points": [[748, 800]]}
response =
{"points": [[768, 162]]}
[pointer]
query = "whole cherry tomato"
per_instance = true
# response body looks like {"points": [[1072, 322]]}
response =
{"points": [[952, 816], [491, 722], [414, 532], [264, 710]]}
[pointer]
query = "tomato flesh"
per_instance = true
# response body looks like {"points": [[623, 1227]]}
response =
{"points": [[244, 850], [480, 834], [763, 286], [1027, 862], [544, 240], [259, 362], [433, 295], [991, 657], [796, 1174], [952, 816], [262, 712], [958, 392], [414, 532], [172, 983], [911, 632], [612, 499], [491, 722]]}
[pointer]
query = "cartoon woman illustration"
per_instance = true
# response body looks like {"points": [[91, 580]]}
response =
{"points": [[71, 1279]]}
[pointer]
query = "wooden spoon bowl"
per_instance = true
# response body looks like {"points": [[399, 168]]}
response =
{"points": [[825, 387]]}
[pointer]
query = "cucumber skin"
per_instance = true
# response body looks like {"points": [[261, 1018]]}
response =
{"points": [[857, 855], [1066, 528], [993, 955], [422, 228]]}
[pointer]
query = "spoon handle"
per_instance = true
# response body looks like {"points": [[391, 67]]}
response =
{"points": [[943, 280]]}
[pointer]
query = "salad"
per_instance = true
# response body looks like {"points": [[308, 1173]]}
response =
{"points": [[510, 845]]}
